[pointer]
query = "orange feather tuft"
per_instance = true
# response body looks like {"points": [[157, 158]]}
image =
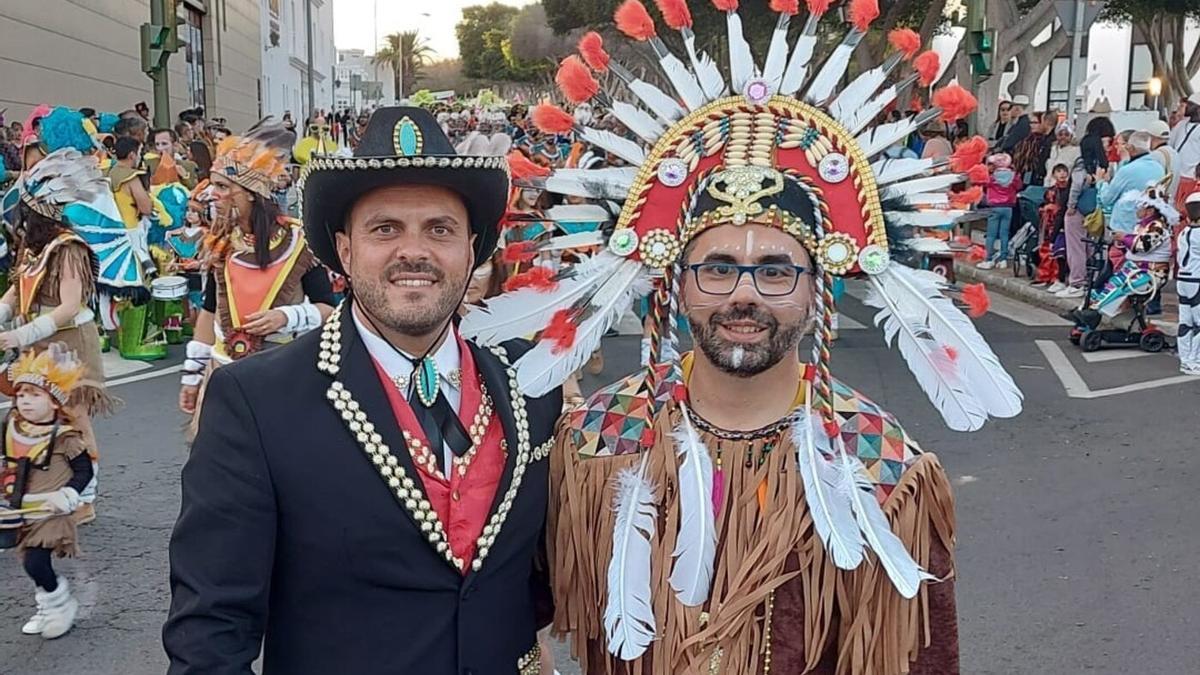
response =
{"points": [[519, 252], [966, 198], [675, 13], [818, 7], [928, 65], [790, 7], [726, 5], [977, 299], [538, 278], [561, 330], [969, 154], [522, 168], [591, 47], [633, 20], [575, 81], [978, 174], [862, 13], [906, 41], [955, 102], [552, 119]]}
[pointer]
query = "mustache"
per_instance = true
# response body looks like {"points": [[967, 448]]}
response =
{"points": [[409, 267], [744, 313]]}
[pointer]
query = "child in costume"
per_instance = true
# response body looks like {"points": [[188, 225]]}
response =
{"points": [[1052, 253], [1147, 252], [1003, 186], [44, 467], [1187, 284]]}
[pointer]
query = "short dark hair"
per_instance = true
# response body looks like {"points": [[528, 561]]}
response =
{"points": [[1064, 167], [164, 130], [87, 112], [180, 127], [1192, 110], [126, 146], [1101, 127], [127, 126]]}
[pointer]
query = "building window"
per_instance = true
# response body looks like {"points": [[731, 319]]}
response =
{"points": [[1060, 82], [1141, 69], [193, 35]]}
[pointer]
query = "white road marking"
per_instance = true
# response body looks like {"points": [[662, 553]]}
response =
{"points": [[1075, 386], [1114, 355], [847, 323], [115, 366]]}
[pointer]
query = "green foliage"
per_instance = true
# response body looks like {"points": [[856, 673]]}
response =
{"points": [[406, 53], [1148, 10], [481, 34]]}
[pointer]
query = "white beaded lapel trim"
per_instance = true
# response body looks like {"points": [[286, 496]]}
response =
{"points": [[406, 490]]}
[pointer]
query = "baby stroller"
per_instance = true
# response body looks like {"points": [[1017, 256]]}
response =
{"points": [[1087, 332], [1022, 251]]}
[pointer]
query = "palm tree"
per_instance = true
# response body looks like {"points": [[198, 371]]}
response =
{"points": [[406, 54]]}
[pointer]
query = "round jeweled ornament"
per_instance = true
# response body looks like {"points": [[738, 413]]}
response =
{"points": [[873, 259], [834, 168], [623, 242], [672, 172], [837, 252], [659, 249], [757, 91]]}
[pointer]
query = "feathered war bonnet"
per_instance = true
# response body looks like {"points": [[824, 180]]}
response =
{"points": [[774, 141], [255, 161], [56, 370]]}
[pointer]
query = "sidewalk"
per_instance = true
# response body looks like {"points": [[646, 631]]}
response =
{"points": [[1002, 281]]}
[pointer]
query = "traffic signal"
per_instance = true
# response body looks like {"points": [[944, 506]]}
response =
{"points": [[981, 48], [155, 48]]}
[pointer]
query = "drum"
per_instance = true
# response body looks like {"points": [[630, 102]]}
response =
{"points": [[168, 295], [169, 288]]}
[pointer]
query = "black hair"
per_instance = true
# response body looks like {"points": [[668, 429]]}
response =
{"points": [[87, 112], [127, 126], [36, 230], [174, 136], [1100, 127], [126, 146], [264, 217], [1064, 167], [1192, 111]]}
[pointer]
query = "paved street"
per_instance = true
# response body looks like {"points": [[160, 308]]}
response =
{"points": [[1076, 535]]}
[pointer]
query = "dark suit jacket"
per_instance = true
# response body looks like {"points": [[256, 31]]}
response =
{"points": [[1017, 131], [289, 538]]}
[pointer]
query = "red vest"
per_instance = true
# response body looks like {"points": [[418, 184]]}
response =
{"points": [[462, 502]]}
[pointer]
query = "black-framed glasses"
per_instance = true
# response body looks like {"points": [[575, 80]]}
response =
{"points": [[770, 279]]}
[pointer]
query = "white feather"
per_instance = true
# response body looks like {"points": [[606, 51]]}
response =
{"points": [[935, 371], [741, 60], [578, 213], [629, 612], [708, 73], [638, 121], [928, 199], [525, 312], [611, 183], [866, 114], [544, 368], [919, 294], [576, 240], [905, 573], [829, 505], [877, 139], [938, 183], [777, 53], [696, 543], [830, 74], [888, 171], [682, 80], [797, 68], [662, 105], [857, 93], [931, 218], [621, 147], [927, 245]]}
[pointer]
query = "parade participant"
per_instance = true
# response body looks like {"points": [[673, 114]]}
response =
{"points": [[443, 510], [43, 469], [1187, 284], [55, 283], [316, 141], [1147, 250], [736, 510], [264, 284]]}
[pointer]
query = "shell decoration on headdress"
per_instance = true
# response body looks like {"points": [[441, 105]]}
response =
{"points": [[55, 369], [255, 161]]}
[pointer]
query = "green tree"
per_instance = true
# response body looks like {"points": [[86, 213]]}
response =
{"points": [[481, 34], [1162, 24], [406, 54]]}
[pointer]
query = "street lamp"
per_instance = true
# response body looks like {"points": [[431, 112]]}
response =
{"points": [[1154, 88]]}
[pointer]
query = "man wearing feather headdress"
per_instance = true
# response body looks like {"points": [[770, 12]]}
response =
{"points": [[736, 509]]}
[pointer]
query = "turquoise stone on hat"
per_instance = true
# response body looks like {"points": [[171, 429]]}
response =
{"points": [[406, 138]]}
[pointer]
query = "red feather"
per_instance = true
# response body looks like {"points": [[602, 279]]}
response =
{"points": [[675, 13], [968, 154], [552, 119], [906, 41], [915, 104], [633, 20], [862, 13], [950, 351], [976, 297], [967, 197], [519, 252], [537, 277], [591, 47], [521, 167], [791, 7], [575, 80], [818, 7], [928, 65], [561, 330], [726, 5], [955, 102], [978, 174]]}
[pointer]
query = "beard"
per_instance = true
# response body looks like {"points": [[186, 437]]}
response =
{"points": [[412, 319], [746, 360]]}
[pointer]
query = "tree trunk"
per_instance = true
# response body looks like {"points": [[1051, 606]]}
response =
{"points": [[1032, 62]]}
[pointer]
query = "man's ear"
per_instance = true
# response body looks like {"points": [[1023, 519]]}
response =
{"points": [[341, 241]]}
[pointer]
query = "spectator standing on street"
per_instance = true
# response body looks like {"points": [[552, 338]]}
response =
{"points": [[1019, 127], [1000, 126], [937, 146], [1168, 157], [1093, 156], [1064, 150], [1185, 138], [1141, 170], [1003, 186], [1033, 152]]}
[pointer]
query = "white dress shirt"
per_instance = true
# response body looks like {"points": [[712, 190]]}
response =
{"points": [[1185, 138], [447, 358]]}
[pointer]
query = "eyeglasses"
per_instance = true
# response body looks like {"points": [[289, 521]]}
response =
{"points": [[770, 280]]}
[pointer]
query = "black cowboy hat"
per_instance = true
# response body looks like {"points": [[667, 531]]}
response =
{"points": [[401, 146]]}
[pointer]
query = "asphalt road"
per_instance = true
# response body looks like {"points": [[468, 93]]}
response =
{"points": [[1077, 541]]}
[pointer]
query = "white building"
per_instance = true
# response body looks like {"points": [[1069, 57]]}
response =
{"points": [[360, 83], [285, 77]]}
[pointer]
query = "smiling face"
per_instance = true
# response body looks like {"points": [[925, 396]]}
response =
{"points": [[745, 333], [408, 250]]}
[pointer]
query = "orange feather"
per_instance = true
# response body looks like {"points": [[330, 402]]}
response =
{"points": [[968, 154], [726, 5], [818, 7], [561, 330], [591, 47], [675, 13], [521, 167], [633, 20], [955, 102], [928, 65], [977, 299], [790, 7], [906, 41], [967, 197], [575, 81], [978, 174], [862, 13], [552, 119]]}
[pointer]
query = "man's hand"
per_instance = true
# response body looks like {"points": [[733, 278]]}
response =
{"points": [[188, 395], [8, 341], [265, 323]]}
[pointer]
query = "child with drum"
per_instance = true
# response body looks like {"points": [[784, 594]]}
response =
{"points": [[43, 468]]}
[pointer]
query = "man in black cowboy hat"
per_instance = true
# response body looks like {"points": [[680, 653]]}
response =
{"points": [[371, 497]]}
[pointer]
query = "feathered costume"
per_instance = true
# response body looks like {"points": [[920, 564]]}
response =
{"points": [[809, 545]]}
